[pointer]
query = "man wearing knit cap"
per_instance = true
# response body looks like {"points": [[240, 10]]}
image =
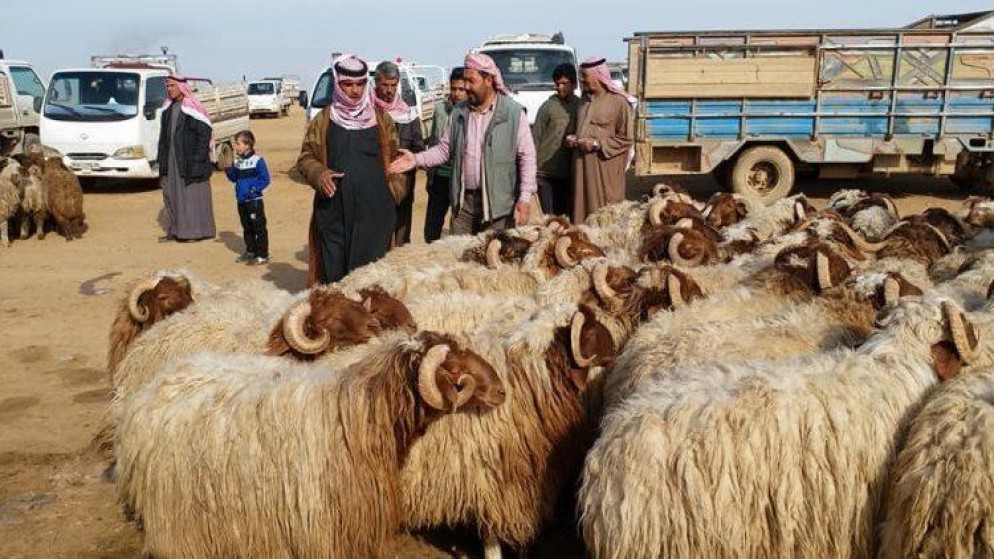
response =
{"points": [[491, 150], [603, 141]]}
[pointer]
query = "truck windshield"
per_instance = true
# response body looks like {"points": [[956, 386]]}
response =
{"points": [[529, 69], [260, 89], [92, 96]]}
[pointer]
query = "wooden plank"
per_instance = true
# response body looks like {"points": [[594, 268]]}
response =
{"points": [[779, 76]]}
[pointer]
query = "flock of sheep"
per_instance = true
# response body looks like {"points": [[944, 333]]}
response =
{"points": [[35, 190], [701, 379]]}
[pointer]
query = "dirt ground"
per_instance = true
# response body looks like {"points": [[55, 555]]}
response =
{"points": [[56, 304]]}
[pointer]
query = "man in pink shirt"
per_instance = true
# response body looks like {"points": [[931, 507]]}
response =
{"points": [[489, 144]]}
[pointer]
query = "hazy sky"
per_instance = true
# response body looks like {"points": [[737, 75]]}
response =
{"points": [[224, 40]]}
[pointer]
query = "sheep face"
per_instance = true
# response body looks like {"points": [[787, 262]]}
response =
{"points": [[946, 222], [725, 209], [326, 321], [569, 249], [664, 288], [170, 295], [498, 248], [457, 379], [952, 340], [389, 312], [894, 288], [979, 212], [689, 247]]}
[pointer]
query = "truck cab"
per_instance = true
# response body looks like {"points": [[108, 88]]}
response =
{"points": [[526, 62], [21, 95]]}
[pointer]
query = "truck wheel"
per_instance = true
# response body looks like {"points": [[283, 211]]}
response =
{"points": [[30, 140], [763, 173]]}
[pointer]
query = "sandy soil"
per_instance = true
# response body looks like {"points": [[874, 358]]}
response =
{"points": [[56, 304]]}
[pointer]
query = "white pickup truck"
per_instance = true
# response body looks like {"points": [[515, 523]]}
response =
{"points": [[266, 97], [526, 62], [105, 122], [21, 97]]}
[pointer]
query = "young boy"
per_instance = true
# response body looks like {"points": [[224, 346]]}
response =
{"points": [[249, 173]]}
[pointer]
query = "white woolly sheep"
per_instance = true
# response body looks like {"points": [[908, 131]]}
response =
{"points": [[253, 456], [939, 502], [10, 197], [768, 458]]}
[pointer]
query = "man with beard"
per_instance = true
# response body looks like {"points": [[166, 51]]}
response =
{"points": [[440, 178], [491, 150], [555, 118], [345, 156], [603, 141], [388, 98]]}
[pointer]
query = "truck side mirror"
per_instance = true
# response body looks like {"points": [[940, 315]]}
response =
{"points": [[302, 99], [37, 104], [149, 111]]}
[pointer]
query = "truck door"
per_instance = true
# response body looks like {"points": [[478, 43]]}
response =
{"points": [[30, 95], [151, 117]]}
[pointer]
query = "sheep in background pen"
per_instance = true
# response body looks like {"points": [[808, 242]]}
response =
{"points": [[939, 500], [10, 197], [254, 456], [769, 458]]}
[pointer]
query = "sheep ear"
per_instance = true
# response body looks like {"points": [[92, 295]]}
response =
{"points": [[946, 360], [367, 304]]}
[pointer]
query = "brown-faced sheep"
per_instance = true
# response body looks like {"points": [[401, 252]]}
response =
{"points": [[253, 456], [64, 198]]}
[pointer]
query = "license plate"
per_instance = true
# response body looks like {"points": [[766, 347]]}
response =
{"points": [[87, 165]]}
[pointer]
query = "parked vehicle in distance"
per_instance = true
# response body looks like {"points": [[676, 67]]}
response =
{"points": [[526, 62], [105, 122], [755, 107], [619, 73], [290, 84], [21, 96], [265, 97]]}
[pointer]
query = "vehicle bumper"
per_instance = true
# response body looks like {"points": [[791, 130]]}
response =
{"points": [[112, 168]]}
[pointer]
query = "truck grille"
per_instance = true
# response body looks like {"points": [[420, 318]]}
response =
{"points": [[88, 156]]}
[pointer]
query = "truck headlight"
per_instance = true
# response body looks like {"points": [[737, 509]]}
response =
{"points": [[130, 152]]}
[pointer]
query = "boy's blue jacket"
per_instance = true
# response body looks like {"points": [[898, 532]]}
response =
{"points": [[250, 176]]}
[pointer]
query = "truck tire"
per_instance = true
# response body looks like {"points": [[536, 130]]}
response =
{"points": [[763, 174]]}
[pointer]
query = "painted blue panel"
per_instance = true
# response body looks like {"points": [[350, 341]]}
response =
{"points": [[720, 119]]}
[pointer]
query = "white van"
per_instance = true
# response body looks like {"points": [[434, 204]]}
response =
{"points": [[105, 122], [526, 62], [265, 97]]}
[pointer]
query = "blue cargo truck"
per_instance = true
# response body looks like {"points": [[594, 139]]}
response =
{"points": [[755, 108]]}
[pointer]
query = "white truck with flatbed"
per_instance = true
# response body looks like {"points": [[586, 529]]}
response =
{"points": [[266, 97], [21, 95], [104, 122]]}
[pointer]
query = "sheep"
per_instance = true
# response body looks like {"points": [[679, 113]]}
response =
{"points": [[502, 473], [842, 316], [979, 212], [770, 221], [938, 502], [34, 206], [724, 209], [558, 251], [253, 456], [64, 198], [873, 215], [10, 197], [768, 458]]}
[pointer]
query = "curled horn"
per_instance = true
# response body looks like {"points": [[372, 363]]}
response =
{"points": [[604, 290], [656, 212], [890, 206], [957, 328], [674, 251], [685, 223], [660, 189], [575, 328], [531, 235], [675, 287], [553, 226], [799, 213], [138, 313], [824, 273], [942, 237], [892, 290], [467, 385], [428, 376], [562, 254], [493, 253], [293, 330], [893, 228], [860, 242]]}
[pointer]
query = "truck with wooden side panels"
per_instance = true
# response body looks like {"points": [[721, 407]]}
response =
{"points": [[755, 108]]}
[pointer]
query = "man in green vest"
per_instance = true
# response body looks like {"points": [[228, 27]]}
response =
{"points": [[490, 147]]}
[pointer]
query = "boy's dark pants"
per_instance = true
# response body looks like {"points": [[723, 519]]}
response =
{"points": [[253, 216]]}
